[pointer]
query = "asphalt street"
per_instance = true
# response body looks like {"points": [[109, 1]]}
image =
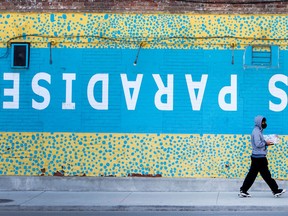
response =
{"points": [[137, 213]]}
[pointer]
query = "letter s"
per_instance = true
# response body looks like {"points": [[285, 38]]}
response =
{"points": [[41, 91], [277, 92]]}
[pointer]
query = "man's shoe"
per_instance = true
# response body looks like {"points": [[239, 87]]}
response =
{"points": [[279, 192], [244, 194]]}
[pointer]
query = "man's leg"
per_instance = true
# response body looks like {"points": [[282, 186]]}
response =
{"points": [[266, 175], [251, 176]]}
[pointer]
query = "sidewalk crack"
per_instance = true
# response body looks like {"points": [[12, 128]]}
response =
{"points": [[125, 197], [217, 198], [32, 198]]}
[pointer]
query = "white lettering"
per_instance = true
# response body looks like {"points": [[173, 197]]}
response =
{"points": [[68, 104], [103, 105], [196, 101], [164, 91], [135, 85], [277, 92], [98, 90], [232, 90], [41, 91], [14, 91]]}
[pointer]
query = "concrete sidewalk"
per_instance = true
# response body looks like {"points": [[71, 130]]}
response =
{"points": [[139, 201], [34, 193]]}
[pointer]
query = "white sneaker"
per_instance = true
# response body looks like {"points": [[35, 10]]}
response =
{"points": [[243, 194], [279, 192]]}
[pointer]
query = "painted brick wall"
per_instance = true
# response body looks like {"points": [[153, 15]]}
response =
{"points": [[180, 142], [150, 6]]}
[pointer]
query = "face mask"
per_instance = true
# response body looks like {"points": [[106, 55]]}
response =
{"points": [[264, 125]]}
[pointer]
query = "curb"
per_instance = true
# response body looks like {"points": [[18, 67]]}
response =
{"points": [[126, 184], [145, 208]]}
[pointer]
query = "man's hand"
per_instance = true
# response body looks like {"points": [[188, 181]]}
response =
{"points": [[269, 143]]}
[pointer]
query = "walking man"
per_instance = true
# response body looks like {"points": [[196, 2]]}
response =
{"points": [[259, 161]]}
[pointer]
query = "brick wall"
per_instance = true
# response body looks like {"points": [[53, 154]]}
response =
{"points": [[149, 6]]}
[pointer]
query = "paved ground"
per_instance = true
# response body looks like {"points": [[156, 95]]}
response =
{"points": [[48, 193], [139, 201], [142, 213]]}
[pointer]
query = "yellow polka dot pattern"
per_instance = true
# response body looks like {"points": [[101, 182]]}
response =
{"points": [[96, 30], [168, 155], [120, 155]]}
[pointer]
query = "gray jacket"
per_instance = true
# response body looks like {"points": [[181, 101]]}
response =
{"points": [[259, 145]]}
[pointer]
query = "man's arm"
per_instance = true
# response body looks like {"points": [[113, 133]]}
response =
{"points": [[260, 143]]}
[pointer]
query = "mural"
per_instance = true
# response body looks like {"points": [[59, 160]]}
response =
{"points": [[130, 94]]}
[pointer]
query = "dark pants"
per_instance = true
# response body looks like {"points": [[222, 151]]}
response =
{"points": [[259, 165]]}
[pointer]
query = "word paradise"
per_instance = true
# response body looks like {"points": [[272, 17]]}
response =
{"points": [[132, 90]]}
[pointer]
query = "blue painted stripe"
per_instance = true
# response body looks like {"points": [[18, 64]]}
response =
{"points": [[253, 94]]}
